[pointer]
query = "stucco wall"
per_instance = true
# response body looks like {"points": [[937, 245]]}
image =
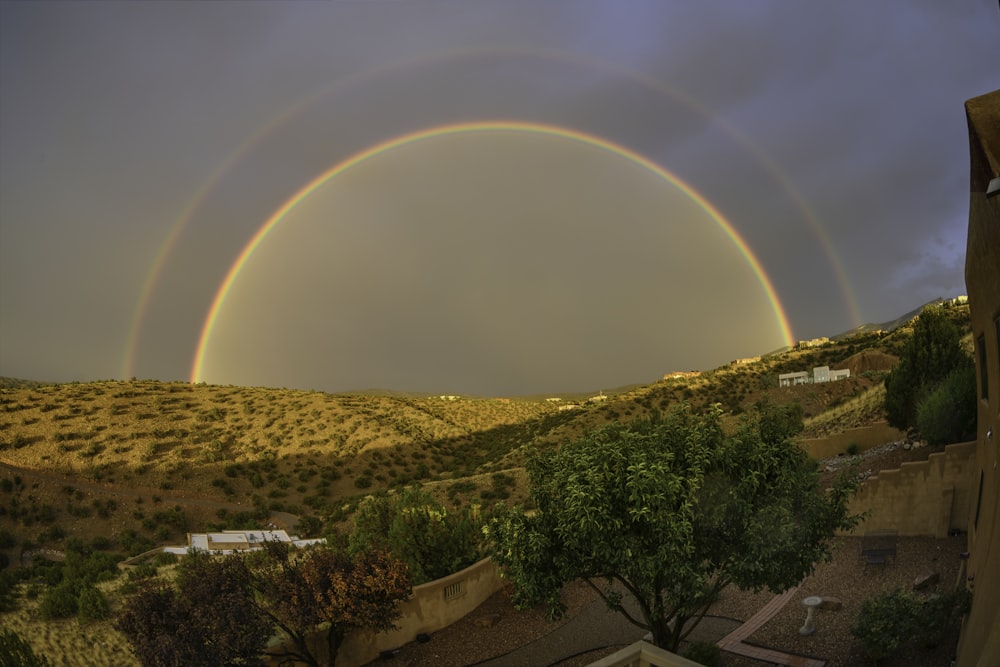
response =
{"points": [[865, 437], [980, 643], [427, 611], [921, 497]]}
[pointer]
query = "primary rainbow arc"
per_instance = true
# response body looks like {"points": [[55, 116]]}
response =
{"points": [[467, 128]]}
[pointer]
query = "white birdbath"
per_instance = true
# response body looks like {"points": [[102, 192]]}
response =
{"points": [[810, 603]]}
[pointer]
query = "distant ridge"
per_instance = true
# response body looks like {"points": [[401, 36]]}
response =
{"points": [[18, 383], [892, 325], [889, 326]]}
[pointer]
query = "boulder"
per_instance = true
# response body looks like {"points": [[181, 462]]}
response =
{"points": [[831, 604], [487, 621], [926, 580]]}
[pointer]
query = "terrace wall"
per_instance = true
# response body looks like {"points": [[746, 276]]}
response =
{"points": [[432, 606], [865, 437], [921, 498]]}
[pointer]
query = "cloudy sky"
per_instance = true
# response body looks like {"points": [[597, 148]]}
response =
{"points": [[493, 197]]}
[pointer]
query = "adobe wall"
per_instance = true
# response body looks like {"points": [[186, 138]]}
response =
{"points": [[865, 437], [921, 498], [427, 611]]}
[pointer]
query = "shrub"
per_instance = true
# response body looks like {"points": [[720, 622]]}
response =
{"points": [[417, 529], [854, 449], [895, 618], [58, 602], [704, 653], [92, 605], [948, 413]]}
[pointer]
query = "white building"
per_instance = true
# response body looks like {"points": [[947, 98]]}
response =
{"points": [[792, 379], [234, 541]]}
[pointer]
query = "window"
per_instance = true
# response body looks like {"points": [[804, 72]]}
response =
{"points": [[984, 370]]}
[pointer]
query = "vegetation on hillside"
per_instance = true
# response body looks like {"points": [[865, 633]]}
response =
{"points": [[118, 468]]}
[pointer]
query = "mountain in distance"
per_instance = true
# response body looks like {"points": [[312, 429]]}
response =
{"points": [[892, 325]]}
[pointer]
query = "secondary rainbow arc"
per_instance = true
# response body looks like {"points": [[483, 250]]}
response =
{"points": [[467, 128]]}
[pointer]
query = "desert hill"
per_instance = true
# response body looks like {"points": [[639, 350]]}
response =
{"points": [[224, 455], [126, 466]]}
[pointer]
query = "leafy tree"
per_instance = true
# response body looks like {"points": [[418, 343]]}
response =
{"points": [[669, 511], [59, 602], [326, 592], [15, 652], [92, 605], [208, 619], [416, 528], [948, 412], [928, 357]]}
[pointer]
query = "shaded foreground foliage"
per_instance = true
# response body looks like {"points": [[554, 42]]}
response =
{"points": [[669, 511], [225, 611], [895, 618]]}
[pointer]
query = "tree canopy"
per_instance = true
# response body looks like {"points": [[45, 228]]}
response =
{"points": [[432, 541], [668, 511], [225, 610], [325, 592], [207, 619], [932, 353]]}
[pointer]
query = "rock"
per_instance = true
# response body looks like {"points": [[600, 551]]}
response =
{"points": [[831, 604], [487, 621], [926, 580]]}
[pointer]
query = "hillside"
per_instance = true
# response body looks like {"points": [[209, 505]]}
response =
{"points": [[311, 453], [128, 466]]}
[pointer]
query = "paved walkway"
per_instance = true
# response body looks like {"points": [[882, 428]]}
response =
{"points": [[597, 627], [733, 642]]}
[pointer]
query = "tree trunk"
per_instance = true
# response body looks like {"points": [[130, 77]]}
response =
{"points": [[334, 638], [663, 637]]}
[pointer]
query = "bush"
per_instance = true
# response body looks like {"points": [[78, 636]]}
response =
{"points": [[948, 413], [704, 653], [58, 602], [892, 619], [418, 530], [92, 605]]}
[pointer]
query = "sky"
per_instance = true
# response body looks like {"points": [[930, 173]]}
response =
{"points": [[491, 198]]}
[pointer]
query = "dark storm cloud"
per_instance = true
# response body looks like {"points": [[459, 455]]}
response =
{"points": [[114, 115]]}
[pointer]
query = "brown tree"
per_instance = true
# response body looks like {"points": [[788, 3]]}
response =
{"points": [[208, 619], [303, 590]]}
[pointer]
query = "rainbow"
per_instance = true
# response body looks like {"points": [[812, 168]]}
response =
{"points": [[468, 128]]}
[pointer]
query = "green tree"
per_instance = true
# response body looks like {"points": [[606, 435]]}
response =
{"points": [[92, 605], [948, 413], [416, 528], [932, 352], [668, 512], [319, 591]]}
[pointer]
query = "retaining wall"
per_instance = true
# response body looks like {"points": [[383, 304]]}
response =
{"points": [[865, 437], [431, 607], [921, 498]]}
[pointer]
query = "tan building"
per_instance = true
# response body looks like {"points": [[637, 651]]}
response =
{"points": [[979, 645]]}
